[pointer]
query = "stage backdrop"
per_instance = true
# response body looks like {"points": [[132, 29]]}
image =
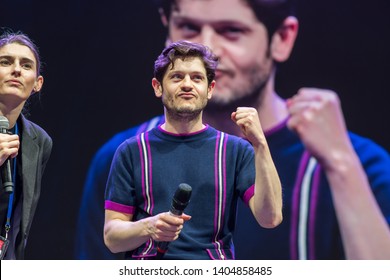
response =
{"points": [[98, 60]]}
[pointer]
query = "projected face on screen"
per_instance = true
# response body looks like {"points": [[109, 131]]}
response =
{"points": [[235, 35]]}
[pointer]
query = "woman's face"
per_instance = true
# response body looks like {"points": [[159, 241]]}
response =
{"points": [[18, 73]]}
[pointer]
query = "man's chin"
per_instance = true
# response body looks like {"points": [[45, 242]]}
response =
{"points": [[220, 101], [187, 113], [220, 108]]}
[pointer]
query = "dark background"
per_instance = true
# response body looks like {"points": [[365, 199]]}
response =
{"points": [[98, 59]]}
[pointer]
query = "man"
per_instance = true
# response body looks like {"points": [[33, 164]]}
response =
{"points": [[147, 168], [336, 185]]}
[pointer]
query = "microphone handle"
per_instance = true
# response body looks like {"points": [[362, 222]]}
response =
{"points": [[162, 246], [6, 175]]}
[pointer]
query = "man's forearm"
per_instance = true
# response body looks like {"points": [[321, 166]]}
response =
{"points": [[267, 201], [122, 236], [364, 230]]}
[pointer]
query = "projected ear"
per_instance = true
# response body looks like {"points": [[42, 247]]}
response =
{"points": [[283, 40], [163, 17]]}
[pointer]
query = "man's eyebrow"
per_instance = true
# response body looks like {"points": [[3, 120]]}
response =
{"points": [[189, 20], [191, 72], [217, 25]]}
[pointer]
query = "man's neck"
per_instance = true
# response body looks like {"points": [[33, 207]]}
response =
{"points": [[182, 126]]}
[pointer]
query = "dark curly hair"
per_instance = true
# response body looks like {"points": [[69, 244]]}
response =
{"points": [[182, 50]]}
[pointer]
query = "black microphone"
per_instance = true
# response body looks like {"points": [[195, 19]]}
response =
{"points": [[6, 175], [180, 201]]}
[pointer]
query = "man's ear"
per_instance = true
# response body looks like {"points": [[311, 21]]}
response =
{"points": [[163, 17], [282, 42], [210, 89], [164, 21], [157, 87]]}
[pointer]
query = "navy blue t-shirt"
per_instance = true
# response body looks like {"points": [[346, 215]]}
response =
{"points": [[147, 169]]}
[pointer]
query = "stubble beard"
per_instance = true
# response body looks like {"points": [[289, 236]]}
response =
{"points": [[250, 96], [184, 113]]}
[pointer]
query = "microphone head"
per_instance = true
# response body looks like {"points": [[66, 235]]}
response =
{"points": [[4, 123], [181, 198]]}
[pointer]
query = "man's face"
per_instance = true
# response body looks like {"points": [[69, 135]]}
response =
{"points": [[185, 90], [232, 31]]}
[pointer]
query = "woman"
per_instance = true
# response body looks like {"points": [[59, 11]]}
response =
{"points": [[25, 147]]}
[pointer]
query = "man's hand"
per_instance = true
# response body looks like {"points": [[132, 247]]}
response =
{"points": [[248, 120], [166, 227], [316, 116]]}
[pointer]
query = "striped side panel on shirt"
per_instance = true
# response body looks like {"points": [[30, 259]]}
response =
{"points": [[304, 205]]}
